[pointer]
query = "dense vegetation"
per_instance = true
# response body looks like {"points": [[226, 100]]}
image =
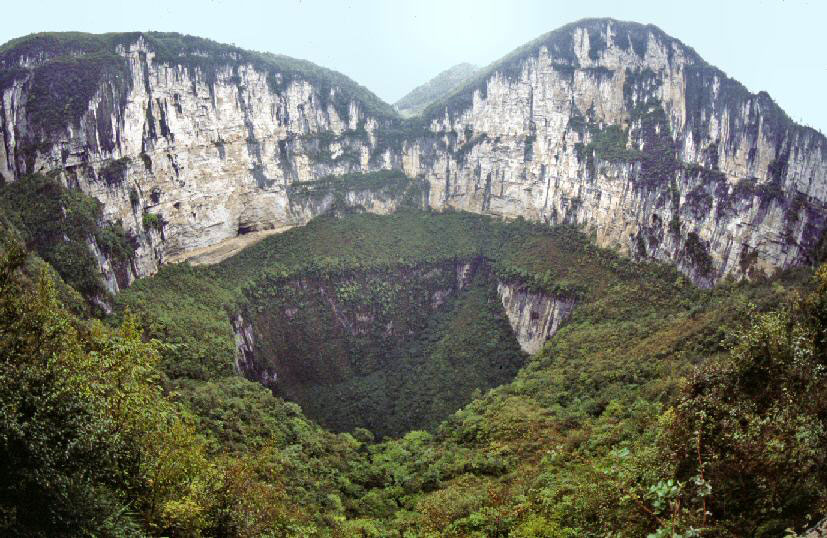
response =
{"points": [[635, 418], [391, 184], [58, 224], [599, 419], [89, 444], [658, 410], [378, 268], [389, 351]]}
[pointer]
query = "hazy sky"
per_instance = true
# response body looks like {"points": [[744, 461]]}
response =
{"points": [[393, 46]]}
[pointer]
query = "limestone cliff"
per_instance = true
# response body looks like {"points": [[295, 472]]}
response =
{"points": [[612, 125], [534, 316], [620, 128], [206, 137]]}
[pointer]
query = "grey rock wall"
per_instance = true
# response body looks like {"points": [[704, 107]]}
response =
{"points": [[717, 180], [533, 316], [613, 126]]}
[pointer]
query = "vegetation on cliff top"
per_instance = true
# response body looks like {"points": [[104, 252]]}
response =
{"points": [[633, 38], [68, 68], [415, 101], [560, 45]]}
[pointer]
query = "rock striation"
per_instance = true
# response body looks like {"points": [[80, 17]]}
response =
{"points": [[209, 140], [534, 316], [613, 126], [626, 131]]}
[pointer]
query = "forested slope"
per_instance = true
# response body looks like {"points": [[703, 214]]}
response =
{"points": [[647, 372], [367, 373]]}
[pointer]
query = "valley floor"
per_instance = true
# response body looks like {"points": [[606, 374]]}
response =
{"points": [[224, 249]]}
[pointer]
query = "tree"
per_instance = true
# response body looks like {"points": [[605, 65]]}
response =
{"points": [[752, 426], [88, 443]]}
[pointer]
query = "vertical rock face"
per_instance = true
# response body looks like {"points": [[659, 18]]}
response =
{"points": [[209, 143], [245, 348], [614, 126], [533, 316], [620, 128]]}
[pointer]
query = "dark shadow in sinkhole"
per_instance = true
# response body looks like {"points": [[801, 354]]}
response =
{"points": [[390, 351]]}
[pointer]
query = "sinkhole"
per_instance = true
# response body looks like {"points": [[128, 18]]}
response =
{"points": [[389, 350]]}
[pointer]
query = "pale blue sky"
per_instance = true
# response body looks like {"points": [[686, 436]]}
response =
{"points": [[393, 46]]}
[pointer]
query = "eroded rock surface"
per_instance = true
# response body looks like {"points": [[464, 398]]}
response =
{"points": [[613, 126], [534, 316]]}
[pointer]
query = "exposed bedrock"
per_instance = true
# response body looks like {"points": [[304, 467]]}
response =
{"points": [[534, 316], [613, 126]]}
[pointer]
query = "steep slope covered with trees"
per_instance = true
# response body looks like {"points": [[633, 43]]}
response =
{"points": [[418, 99], [365, 374]]}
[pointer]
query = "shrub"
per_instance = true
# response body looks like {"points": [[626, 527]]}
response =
{"points": [[114, 172], [153, 221]]}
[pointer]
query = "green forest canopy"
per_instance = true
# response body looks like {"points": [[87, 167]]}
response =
{"points": [[636, 418]]}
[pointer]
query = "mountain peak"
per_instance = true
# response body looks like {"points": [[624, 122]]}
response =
{"points": [[420, 97]]}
